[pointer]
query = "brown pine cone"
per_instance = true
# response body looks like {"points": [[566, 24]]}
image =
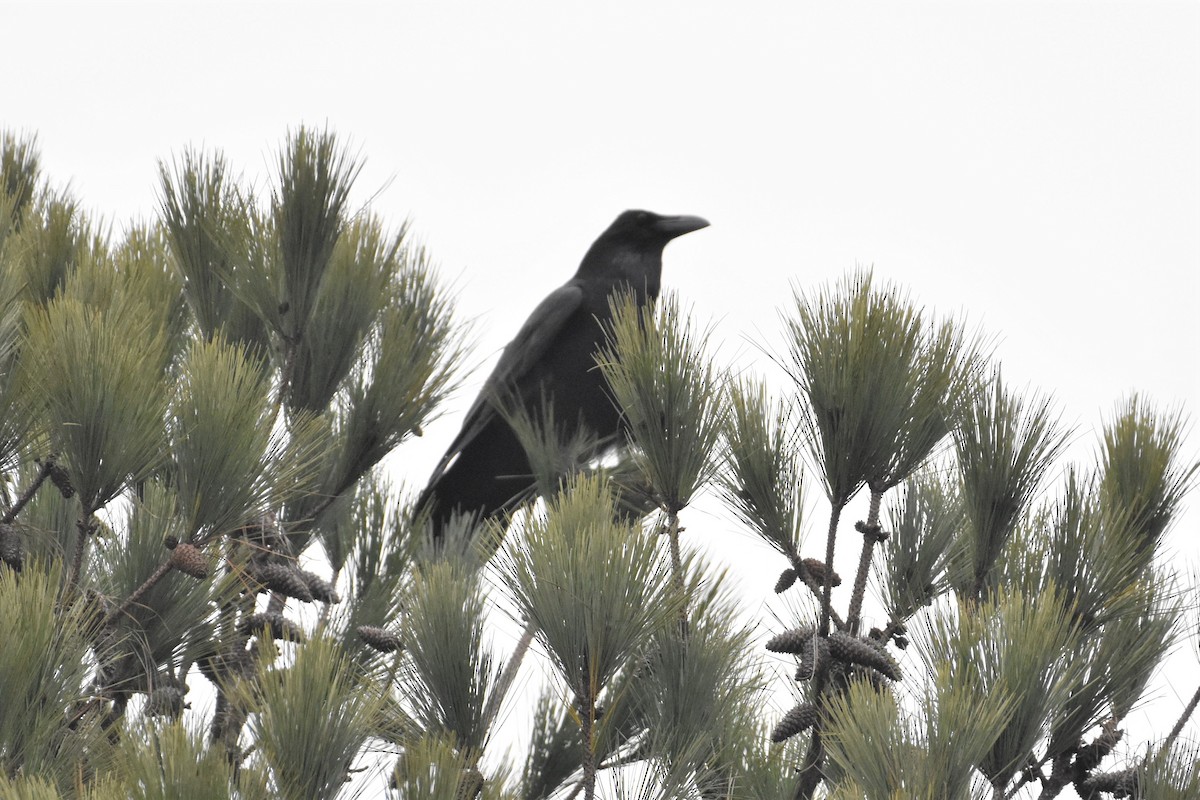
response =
{"points": [[812, 656], [320, 588], [277, 626], [786, 579], [817, 570], [798, 720], [12, 549], [379, 638], [188, 559], [863, 652], [286, 580], [62, 479], [792, 641]]}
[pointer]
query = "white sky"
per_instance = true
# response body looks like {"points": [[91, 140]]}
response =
{"points": [[1033, 166]]}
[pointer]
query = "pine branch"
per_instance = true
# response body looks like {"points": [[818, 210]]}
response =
{"points": [[815, 583], [872, 535], [86, 526], [1183, 718], [827, 587], [27, 495], [507, 676], [673, 531], [587, 719], [137, 594], [810, 773]]}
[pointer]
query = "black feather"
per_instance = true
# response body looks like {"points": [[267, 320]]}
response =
{"points": [[486, 471]]}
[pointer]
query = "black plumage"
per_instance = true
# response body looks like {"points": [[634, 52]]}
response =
{"points": [[486, 471]]}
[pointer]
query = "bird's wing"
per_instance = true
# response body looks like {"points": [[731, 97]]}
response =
{"points": [[526, 348]]}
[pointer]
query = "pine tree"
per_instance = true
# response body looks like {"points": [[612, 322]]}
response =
{"points": [[210, 588]]}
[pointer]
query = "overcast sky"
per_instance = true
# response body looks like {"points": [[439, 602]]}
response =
{"points": [[1034, 167]]}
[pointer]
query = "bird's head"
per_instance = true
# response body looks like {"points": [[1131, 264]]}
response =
{"points": [[650, 229], [631, 248]]}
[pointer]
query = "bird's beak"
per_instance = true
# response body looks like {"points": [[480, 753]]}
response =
{"points": [[678, 226]]}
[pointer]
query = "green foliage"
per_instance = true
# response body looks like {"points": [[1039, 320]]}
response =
{"points": [[879, 383], [308, 210], [693, 694], [884, 751], [925, 520], [595, 591], [450, 668], [555, 751], [52, 240], [1142, 477], [1172, 774], [1119, 661], [373, 543], [100, 371], [145, 640], [48, 522], [311, 719], [142, 382], [354, 292], [403, 374], [668, 390], [764, 481], [432, 769], [204, 214], [230, 457], [751, 767], [187, 406], [1012, 649], [1135, 644], [20, 171], [1005, 446], [1089, 552], [16, 415], [169, 760], [554, 452], [18, 179], [142, 268], [44, 668]]}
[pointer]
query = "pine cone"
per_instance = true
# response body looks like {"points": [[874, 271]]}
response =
{"points": [[817, 570], [62, 479], [274, 625], [188, 559], [798, 720], [286, 580], [792, 641], [786, 579], [863, 652], [812, 656], [470, 784], [1122, 783], [12, 548], [379, 638], [320, 588]]}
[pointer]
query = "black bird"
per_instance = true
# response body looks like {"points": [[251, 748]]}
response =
{"points": [[486, 472]]}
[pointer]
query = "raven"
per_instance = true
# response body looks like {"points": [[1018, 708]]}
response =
{"points": [[486, 471]]}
